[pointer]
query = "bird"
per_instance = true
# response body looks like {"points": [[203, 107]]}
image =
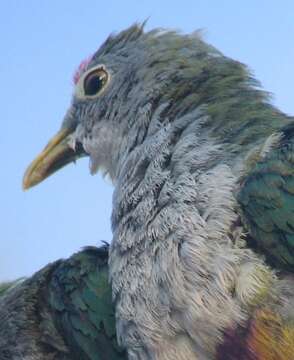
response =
{"points": [[62, 312], [202, 256]]}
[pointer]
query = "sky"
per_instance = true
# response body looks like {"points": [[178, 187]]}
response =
{"points": [[42, 44]]}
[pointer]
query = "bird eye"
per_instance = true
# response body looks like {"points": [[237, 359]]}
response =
{"points": [[94, 82]]}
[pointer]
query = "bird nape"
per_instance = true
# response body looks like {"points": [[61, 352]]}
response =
{"points": [[202, 257]]}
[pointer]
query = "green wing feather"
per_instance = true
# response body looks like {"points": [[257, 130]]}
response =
{"points": [[62, 312], [267, 201], [80, 295]]}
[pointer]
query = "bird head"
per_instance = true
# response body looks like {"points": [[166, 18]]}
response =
{"points": [[112, 90], [98, 117], [135, 76]]}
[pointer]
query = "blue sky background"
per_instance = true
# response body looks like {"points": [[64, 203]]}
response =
{"points": [[42, 43]]}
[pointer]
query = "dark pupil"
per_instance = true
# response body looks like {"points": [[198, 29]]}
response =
{"points": [[93, 84]]}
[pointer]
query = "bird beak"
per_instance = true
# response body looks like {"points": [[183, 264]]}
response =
{"points": [[56, 154]]}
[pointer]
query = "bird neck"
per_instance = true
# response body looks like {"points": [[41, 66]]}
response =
{"points": [[168, 157], [176, 238], [173, 186]]}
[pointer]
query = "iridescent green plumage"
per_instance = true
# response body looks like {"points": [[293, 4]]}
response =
{"points": [[63, 312], [80, 296], [267, 200]]}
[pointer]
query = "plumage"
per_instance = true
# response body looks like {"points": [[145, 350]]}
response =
{"points": [[267, 200], [265, 336], [201, 261], [62, 312]]}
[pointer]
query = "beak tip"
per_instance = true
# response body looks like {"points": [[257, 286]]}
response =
{"points": [[25, 187], [26, 184], [30, 179]]}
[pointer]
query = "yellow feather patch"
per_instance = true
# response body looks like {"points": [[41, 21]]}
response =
{"points": [[270, 338]]}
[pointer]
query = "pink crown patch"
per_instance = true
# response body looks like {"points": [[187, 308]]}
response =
{"points": [[82, 67]]}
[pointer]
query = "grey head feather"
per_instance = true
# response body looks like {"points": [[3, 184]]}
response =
{"points": [[151, 69], [173, 128]]}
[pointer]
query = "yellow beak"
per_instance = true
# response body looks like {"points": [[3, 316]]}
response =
{"points": [[56, 154]]}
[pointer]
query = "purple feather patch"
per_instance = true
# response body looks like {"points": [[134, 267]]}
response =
{"points": [[235, 346]]}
